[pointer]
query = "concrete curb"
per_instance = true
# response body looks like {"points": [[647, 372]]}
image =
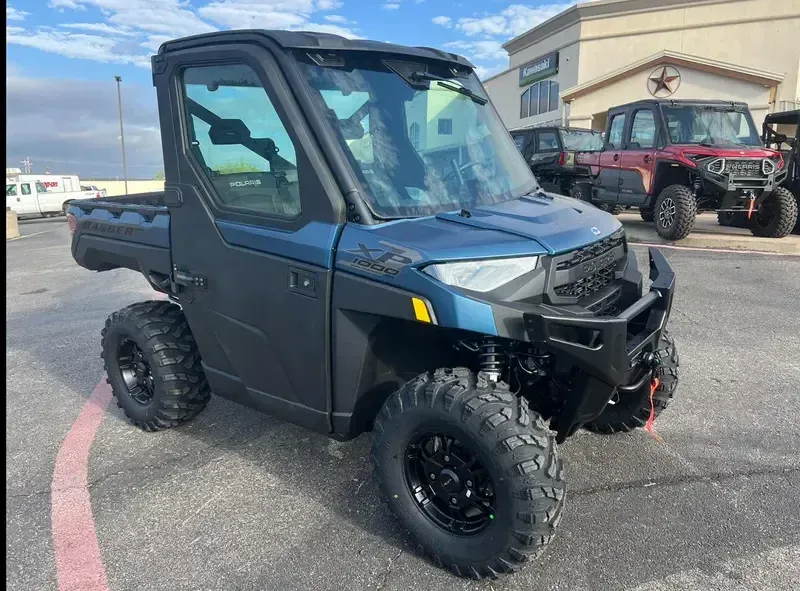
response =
{"points": [[12, 224], [709, 234]]}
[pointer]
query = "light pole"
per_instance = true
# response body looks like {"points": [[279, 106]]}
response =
{"points": [[122, 133]]}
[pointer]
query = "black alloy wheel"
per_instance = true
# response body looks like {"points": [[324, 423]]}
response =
{"points": [[136, 372], [449, 484]]}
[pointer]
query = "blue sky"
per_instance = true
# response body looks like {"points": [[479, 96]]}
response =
{"points": [[71, 49]]}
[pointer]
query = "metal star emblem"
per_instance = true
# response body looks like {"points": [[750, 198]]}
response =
{"points": [[664, 81]]}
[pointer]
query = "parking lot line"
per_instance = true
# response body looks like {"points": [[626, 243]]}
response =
{"points": [[79, 564]]}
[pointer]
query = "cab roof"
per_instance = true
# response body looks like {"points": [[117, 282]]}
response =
{"points": [[311, 41], [688, 102]]}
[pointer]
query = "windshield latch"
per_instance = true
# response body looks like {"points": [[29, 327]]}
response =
{"points": [[465, 213]]}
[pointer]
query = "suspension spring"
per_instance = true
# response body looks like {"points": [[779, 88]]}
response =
{"points": [[492, 359]]}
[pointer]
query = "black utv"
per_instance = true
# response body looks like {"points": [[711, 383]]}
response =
{"points": [[781, 132], [330, 257]]}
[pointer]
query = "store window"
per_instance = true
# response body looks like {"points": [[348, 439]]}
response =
{"points": [[539, 98], [445, 127]]}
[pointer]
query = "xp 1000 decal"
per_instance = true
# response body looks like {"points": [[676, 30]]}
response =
{"points": [[385, 259]]}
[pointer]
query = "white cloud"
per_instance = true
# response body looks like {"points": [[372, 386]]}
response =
{"points": [[100, 28], [14, 14], [484, 72], [479, 50], [335, 18], [510, 22], [444, 21], [131, 29], [391, 6], [62, 4]]}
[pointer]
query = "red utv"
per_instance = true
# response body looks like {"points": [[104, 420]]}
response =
{"points": [[674, 159]]}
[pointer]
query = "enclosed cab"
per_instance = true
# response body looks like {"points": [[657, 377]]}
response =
{"points": [[673, 159], [349, 240], [551, 154]]}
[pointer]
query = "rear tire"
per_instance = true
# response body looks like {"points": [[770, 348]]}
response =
{"points": [[731, 219], [647, 214], [776, 216], [675, 212], [581, 192], [511, 446], [632, 409], [153, 365]]}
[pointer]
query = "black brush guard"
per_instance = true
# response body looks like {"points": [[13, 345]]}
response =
{"points": [[611, 351]]}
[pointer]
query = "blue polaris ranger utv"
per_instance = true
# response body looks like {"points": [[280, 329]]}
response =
{"points": [[349, 240]]}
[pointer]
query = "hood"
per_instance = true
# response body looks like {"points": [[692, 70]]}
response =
{"points": [[558, 223]]}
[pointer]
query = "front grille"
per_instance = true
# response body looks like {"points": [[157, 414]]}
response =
{"points": [[745, 168], [592, 251], [589, 284]]}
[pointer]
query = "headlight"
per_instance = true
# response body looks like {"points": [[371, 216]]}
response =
{"points": [[482, 275]]}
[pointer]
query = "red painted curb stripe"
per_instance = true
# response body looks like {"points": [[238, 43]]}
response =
{"points": [[78, 561]]}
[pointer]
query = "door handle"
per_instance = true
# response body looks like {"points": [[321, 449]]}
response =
{"points": [[616, 157], [648, 158]]}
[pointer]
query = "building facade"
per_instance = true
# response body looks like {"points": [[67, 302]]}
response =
{"points": [[593, 56]]}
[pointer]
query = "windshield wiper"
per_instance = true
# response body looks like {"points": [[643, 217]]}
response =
{"points": [[448, 84]]}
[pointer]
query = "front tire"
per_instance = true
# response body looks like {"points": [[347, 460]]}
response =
{"points": [[632, 409], [776, 216], [153, 365], [675, 212], [506, 442]]}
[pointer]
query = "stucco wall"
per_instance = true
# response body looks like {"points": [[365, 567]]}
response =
{"points": [[505, 90], [759, 34], [695, 84]]}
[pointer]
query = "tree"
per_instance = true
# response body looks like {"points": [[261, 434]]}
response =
{"points": [[159, 176], [237, 167]]}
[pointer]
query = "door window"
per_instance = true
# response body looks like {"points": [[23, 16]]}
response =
{"points": [[11, 190], [239, 140], [643, 129], [519, 141], [26, 188], [615, 131], [547, 141]]}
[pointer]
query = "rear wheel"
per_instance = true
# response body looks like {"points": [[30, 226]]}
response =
{"points": [[675, 211], [776, 216], [470, 471], [153, 365], [632, 409]]}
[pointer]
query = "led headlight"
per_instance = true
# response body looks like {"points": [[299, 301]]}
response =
{"points": [[482, 275]]}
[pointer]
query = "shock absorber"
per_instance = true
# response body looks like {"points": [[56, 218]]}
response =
{"points": [[492, 359], [696, 185]]}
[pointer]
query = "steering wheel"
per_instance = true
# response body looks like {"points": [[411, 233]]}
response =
{"points": [[458, 171]]}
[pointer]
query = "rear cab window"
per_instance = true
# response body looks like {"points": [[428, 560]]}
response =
{"points": [[580, 140], [547, 141]]}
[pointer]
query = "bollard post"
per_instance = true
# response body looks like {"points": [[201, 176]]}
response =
{"points": [[12, 225]]}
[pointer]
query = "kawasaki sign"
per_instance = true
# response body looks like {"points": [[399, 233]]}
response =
{"points": [[539, 68]]}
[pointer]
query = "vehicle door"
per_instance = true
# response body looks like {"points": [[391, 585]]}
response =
{"points": [[637, 164], [254, 217], [547, 150], [608, 179], [21, 199], [49, 202]]}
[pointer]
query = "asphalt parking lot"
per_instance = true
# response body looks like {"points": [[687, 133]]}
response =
{"points": [[240, 500]]}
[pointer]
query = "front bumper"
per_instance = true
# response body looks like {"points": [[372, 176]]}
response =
{"points": [[611, 351]]}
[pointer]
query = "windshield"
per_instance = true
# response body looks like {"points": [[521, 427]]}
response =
{"points": [[581, 141], [691, 124], [420, 146]]}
